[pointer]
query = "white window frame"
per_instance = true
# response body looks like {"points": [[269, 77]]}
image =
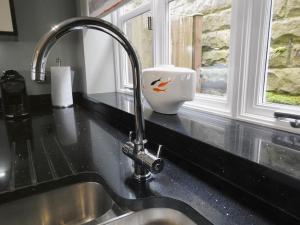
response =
{"points": [[121, 67], [249, 34], [251, 106], [222, 105]]}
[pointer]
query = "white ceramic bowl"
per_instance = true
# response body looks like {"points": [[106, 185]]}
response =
{"points": [[166, 88]]}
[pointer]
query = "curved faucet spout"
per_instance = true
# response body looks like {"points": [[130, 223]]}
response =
{"points": [[144, 161], [48, 40]]}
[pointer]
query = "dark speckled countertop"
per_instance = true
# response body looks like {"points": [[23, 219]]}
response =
{"points": [[261, 161], [72, 145], [272, 148]]}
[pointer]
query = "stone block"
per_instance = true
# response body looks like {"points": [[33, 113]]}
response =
{"points": [[279, 8], [295, 57], [283, 57], [293, 8], [285, 80], [189, 7], [214, 80], [216, 40], [214, 73], [284, 30], [212, 6], [217, 21], [214, 57], [278, 57]]}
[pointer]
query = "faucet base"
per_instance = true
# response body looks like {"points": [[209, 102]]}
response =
{"points": [[142, 178], [141, 174]]}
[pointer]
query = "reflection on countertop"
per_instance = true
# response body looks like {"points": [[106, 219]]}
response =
{"points": [[281, 158]]}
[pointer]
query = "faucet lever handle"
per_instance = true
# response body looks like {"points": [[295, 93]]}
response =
{"points": [[130, 136], [159, 151]]}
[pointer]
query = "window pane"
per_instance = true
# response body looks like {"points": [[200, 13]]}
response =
{"points": [[141, 37], [133, 4], [200, 37], [283, 79]]}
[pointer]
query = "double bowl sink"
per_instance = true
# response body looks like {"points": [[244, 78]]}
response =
{"points": [[83, 204]]}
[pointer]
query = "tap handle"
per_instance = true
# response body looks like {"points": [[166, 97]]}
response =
{"points": [[152, 162], [157, 166], [130, 136], [157, 163], [159, 151]]}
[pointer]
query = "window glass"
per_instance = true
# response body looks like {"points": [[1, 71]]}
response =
{"points": [[133, 4], [140, 35], [200, 37], [283, 75]]}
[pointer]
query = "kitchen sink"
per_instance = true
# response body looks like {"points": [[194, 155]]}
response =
{"points": [[153, 216], [82, 204], [70, 205]]}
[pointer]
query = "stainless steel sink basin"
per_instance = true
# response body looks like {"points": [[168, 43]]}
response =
{"points": [[155, 216], [70, 205], [82, 204]]}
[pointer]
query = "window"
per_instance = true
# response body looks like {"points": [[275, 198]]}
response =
{"points": [[200, 39], [283, 74], [264, 30], [246, 52], [182, 35], [139, 32], [135, 20]]}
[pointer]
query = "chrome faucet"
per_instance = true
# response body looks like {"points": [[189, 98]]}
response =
{"points": [[145, 162]]}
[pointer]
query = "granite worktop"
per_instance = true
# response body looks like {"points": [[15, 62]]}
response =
{"points": [[275, 149], [261, 161], [64, 146]]}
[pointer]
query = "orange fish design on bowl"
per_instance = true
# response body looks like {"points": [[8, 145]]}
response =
{"points": [[167, 87], [159, 86]]}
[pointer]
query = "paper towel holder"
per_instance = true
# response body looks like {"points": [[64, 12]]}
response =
{"points": [[58, 61]]}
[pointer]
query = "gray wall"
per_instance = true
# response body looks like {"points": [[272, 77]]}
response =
{"points": [[34, 18], [97, 52]]}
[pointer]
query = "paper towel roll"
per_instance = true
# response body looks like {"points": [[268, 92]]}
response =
{"points": [[61, 86]]}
